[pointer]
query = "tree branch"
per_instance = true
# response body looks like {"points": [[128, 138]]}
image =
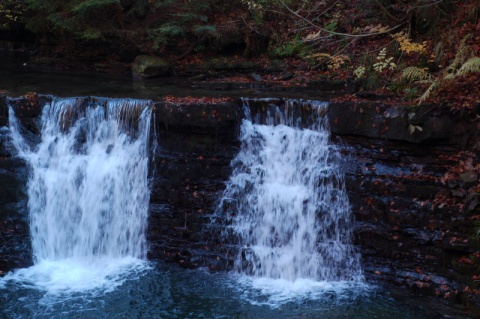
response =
{"points": [[348, 35], [388, 14]]}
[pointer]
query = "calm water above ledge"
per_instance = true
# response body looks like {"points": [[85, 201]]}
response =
{"points": [[17, 77]]}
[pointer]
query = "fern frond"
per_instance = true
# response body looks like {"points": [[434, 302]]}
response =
{"points": [[204, 29], [412, 74], [91, 34], [472, 65], [164, 34], [450, 76], [463, 53], [464, 63], [428, 81], [163, 4], [190, 16], [84, 6], [168, 29], [59, 21], [139, 9], [427, 93], [43, 6]]}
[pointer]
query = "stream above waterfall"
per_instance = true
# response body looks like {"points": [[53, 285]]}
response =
{"points": [[18, 77]]}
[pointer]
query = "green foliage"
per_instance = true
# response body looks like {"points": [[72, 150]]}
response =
{"points": [[11, 13], [88, 19], [371, 82], [411, 93], [43, 14], [162, 4], [190, 22], [138, 9], [146, 24], [409, 77], [86, 6], [302, 29], [59, 21], [293, 48], [163, 35], [204, 29], [91, 34], [169, 30], [331, 26], [44, 6], [186, 17]]}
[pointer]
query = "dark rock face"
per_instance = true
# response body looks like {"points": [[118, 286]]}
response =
{"points": [[191, 166], [413, 227], [401, 123], [403, 236], [187, 186], [394, 177], [15, 249]]}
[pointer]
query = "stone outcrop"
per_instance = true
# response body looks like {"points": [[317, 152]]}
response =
{"points": [[146, 66], [416, 224], [426, 124]]}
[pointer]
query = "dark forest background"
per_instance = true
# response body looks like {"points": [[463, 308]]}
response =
{"points": [[422, 50]]}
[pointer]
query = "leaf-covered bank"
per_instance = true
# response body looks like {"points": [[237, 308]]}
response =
{"points": [[416, 51]]}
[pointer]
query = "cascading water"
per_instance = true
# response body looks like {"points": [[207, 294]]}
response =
{"points": [[88, 204], [88, 191], [288, 205]]}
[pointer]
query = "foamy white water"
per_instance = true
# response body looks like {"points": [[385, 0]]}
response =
{"points": [[88, 193], [277, 292], [291, 213]]}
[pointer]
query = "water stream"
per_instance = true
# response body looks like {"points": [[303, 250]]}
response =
{"points": [[87, 194], [88, 200], [290, 211]]}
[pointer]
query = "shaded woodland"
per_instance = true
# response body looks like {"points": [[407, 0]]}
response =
{"points": [[419, 50]]}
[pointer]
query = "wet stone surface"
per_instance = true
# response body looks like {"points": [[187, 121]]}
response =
{"points": [[15, 249]]}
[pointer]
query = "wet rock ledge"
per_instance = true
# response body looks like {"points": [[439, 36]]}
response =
{"points": [[412, 175]]}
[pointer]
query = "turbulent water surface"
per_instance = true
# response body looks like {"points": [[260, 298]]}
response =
{"points": [[170, 292]]}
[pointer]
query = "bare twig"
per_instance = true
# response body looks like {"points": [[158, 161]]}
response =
{"points": [[388, 14], [348, 35]]}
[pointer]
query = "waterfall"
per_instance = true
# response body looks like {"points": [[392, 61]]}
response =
{"points": [[286, 198], [88, 192]]}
